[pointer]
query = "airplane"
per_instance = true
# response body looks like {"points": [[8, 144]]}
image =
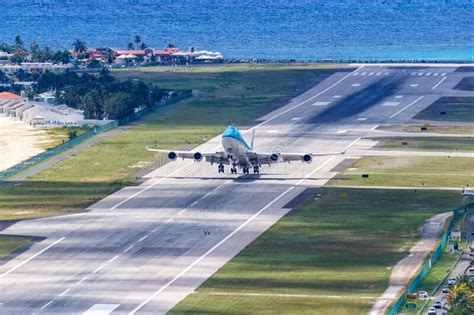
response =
{"points": [[239, 154]]}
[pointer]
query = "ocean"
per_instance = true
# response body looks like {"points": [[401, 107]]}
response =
{"points": [[297, 29]]}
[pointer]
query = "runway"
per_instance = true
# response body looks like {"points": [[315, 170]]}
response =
{"points": [[144, 248]]}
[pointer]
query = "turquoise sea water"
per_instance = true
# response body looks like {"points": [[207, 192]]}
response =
{"points": [[298, 29]]}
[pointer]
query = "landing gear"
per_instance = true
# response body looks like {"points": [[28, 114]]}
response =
{"points": [[220, 169], [245, 170], [256, 169], [233, 170]]}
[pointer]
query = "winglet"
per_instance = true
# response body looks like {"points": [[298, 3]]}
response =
{"points": [[252, 138]]}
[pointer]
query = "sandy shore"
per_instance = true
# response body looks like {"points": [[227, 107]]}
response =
{"points": [[18, 142]]}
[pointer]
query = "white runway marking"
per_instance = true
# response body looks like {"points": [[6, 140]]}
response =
{"points": [[362, 118], [420, 74], [46, 305], [437, 84], [143, 238], [341, 131], [296, 118], [356, 84], [429, 73], [99, 269], [378, 73], [128, 248], [412, 103], [443, 74], [413, 85], [399, 96], [363, 73], [337, 96], [355, 74], [194, 203], [64, 292], [117, 256], [386, 73], [31, 258], [82, 280], [101, 309], [390, 103], [272, 131], [371, 73], [321, 103]]}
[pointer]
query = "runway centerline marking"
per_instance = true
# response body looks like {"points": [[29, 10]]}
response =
{"points": [[46, 305], [194, 203], [31, 258], [356, 84], [413, 85], [438, 84], [412, 103], [143, 238], [64, 292], [128, 248], [82, 280]]}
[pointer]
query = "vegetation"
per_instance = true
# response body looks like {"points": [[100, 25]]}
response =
{"points": [[56, 136], [340, 242], [445, 144], [443, 129], [461, 297], [413, 171], [449, 109], [10, 243], [99, 96]]}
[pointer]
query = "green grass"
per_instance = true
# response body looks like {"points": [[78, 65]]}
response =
{"points": [[466, 84], [10, 243], [443, 129], [409, 171], [341, 243], [455, 109], [445, 144]]}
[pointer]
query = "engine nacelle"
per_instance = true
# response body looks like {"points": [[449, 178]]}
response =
{"points": [[172, 156], [197, 157], [274, 157], [307, 158]]}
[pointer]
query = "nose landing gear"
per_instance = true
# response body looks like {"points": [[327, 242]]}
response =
{"points": [[256, 169], [233, 170], [220, 169]]}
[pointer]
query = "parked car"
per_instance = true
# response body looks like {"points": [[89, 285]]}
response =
{"points": [[445, 290], [432, 311], [470, 271], [438, 305], [451, 281], [423, 295]]}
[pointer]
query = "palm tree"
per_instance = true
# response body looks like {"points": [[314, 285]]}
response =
{"points": [[18, 43], [137, 39], [129, 46], [459, 297], [79, 46], [143, 46]]}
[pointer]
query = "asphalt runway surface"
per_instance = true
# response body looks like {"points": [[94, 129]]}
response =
{"points": [[144, 248]]}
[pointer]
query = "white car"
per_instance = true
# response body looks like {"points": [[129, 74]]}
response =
{"points": [[470, 271], [438, 305], [422, 295], [445, 290], [432, 311], [451, 281]]}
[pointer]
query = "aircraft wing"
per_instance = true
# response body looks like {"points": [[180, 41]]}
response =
{"points": [[270, 158], [212, 157]]}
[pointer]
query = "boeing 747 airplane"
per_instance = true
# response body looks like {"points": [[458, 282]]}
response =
{"points": [[239, 154]]}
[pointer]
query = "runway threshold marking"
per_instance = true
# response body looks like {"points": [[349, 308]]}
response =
{"points": [[438, 84], [31, 258], [240, 227], [412, 103]]}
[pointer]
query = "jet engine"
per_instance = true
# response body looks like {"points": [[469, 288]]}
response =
{"points": [[172, 156], [307, 158], [197, 157], [274, 157]]}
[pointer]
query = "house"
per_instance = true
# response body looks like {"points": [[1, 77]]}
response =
{"points": [[45, 98]]}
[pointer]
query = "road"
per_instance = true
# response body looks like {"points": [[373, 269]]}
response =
{"points": [[144, 248]]}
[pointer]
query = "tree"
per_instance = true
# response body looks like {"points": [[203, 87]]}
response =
{"points": [[79, 46], [130, 46], [119, 105], [137, 39], [460, 299], [171, 46], [16, 58], [143, 46], [18, 43]]}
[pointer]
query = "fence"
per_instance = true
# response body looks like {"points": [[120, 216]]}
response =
{"points": [[413, 284], [69, 144]]}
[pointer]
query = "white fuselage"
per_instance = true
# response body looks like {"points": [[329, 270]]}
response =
{"points": [[236, 151]]}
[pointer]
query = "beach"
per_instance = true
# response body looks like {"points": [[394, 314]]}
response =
{"points": [[18, 142]]}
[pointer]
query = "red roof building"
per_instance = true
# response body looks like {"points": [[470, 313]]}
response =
{"points": [[8, 95]]}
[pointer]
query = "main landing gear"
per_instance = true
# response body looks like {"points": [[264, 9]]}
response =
{"points": [[245, 170], [233, 170], [256, 169], [220, 169]]}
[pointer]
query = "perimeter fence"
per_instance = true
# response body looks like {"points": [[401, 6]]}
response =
{"points": [[415, 282]]}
